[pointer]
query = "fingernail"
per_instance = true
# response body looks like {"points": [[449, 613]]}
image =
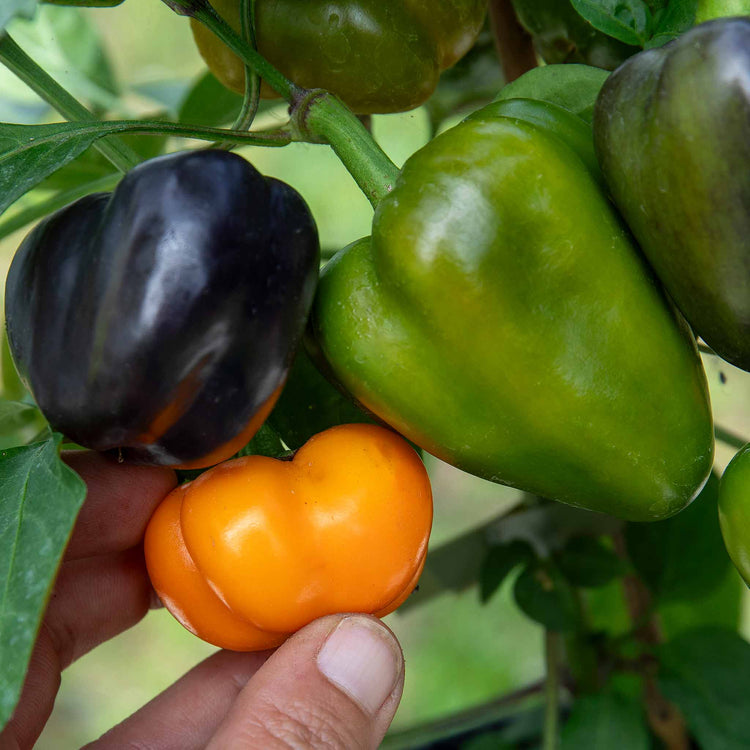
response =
{"points": [[363, 659]]}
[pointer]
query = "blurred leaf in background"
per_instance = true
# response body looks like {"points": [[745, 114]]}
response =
{"points": [[706, 673]]}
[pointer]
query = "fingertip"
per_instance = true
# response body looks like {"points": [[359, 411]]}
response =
{"points": [[362, 658], [120, 499], [336, 683]]}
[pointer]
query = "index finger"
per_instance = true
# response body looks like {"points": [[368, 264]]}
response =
{"points": [[119, 502]]}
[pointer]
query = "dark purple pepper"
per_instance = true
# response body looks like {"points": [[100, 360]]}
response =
{"points": [[161, 320]]}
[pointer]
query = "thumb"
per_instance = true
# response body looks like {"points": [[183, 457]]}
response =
{"points": [[335, 684]]}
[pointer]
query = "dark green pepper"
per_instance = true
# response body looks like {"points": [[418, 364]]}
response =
{"points": [[672, 131], [377, 55], [562, 36], [501, 318], [734, 511], [161, 320]]}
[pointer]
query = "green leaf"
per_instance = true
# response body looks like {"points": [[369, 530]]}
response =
{"points": [[677, 18], [69, 47], [453, 566], [166, 93], [12, 410], [626, 20], [586, 561], [29, 153], [498, 564], [606, 720], [683, 557], [472, 81], [706, 674], [309, 404], [9, 9], [722, 607], [546, 526], [210, 104], [21, 423], [92, 166], [266, 442], [13, 388], [544, 595], [40, 499], [31, 213], [572, 87]]}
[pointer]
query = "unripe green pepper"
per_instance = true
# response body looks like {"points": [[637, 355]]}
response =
{"points": [[734, 511], [672, 132], [160, 321], [501, 318], [376, 55]]}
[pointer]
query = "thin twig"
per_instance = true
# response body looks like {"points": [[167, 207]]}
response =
{"points": [[515, 47], [664, 718], [552, 648]]}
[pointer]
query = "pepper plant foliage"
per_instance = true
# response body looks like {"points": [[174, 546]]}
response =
{"points": [[639, 22], [640, 621]]}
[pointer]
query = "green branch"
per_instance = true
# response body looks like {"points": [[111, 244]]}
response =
{"points": [[730, 438], [252, 79], [202, 11], [37, 79], [55, 131], [324, 117], [552, 649], [317, 116]]}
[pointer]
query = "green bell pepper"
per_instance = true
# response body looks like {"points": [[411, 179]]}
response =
{"points": [[734, 511], [501, 318], [376, 55], [672, 131]]}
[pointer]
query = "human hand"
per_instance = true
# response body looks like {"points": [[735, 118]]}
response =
{"points": [[335, 684]]}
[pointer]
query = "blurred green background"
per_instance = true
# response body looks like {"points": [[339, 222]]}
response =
{"points": [[458, 652]]}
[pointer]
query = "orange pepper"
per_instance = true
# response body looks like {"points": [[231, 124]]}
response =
{"points": [[256, 548]]}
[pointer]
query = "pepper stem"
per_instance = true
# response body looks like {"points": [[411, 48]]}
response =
{"points": [[203, 11], [317, 115], [322, 116]]}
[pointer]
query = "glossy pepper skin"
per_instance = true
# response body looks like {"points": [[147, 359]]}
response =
{"points": [[672, 132], [160, 320], [501, 318], [256, 548], [376, 55], [734, 511]]}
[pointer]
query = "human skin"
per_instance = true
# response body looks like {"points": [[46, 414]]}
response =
{"points": [[335, 684]]}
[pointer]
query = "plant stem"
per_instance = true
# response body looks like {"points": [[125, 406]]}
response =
{"points": [[202, 10], [252, 80], [552, 649], [470, 720], [664, 718], [317, 116], [322, 114], [730, 438], [513, 43], [159, 127], [20, 64]]}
